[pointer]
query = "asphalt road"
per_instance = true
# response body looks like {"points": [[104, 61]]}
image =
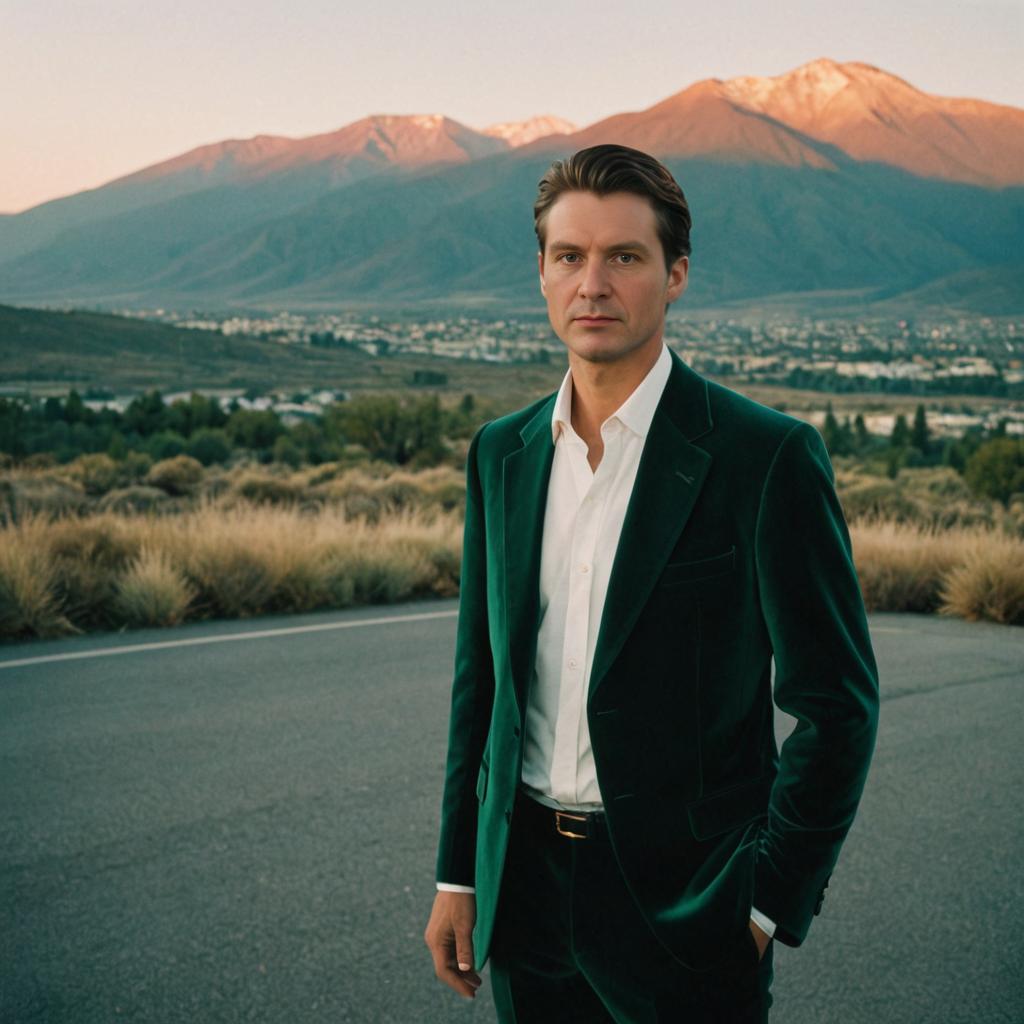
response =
{"points": [[243, 829]]}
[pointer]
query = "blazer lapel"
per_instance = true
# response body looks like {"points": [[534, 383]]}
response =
{"points": [[668, 482], [525, 475]]}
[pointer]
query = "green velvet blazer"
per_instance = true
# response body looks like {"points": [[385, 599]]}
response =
{"points": [[734, 549]]}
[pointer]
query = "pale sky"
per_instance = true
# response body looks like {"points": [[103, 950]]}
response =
{"points": [[94, 89]]}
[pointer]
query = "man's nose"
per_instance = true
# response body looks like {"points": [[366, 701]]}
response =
{"points": [[595, 281]]}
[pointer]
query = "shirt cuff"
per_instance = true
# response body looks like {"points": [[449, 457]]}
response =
{"points": [[766, 924], [452, 887]]}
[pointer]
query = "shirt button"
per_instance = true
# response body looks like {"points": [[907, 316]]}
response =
{"points": [[572, 663], [584, 568]]}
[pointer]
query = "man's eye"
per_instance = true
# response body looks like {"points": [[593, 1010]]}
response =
{"points": [[566, 256], [628, 256]]}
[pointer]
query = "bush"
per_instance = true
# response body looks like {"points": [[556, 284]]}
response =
{"points": [[268, 490], [989, 584], [180, 475], [152, 592], [132, 500], [97, 473], [136, 465]]}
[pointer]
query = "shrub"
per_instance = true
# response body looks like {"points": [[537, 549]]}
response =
{"points": [[269, 490], [152, 592], [29, 604], [180, 475], [97, 473], [133, 500], [989, 582]]}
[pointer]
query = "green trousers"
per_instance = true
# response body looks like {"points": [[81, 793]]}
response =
{"points": [[570, 945]]}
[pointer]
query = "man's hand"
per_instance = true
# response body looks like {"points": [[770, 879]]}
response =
{"points": [[449, 937], [762, 938]]}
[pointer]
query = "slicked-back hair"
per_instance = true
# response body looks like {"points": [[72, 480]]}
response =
{"points": [[610, 168]]}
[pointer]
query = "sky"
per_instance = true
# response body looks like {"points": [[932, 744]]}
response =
{"points": [[90, 91]]}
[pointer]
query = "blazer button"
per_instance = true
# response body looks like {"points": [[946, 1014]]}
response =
{"points": [[515, 731], [508, 815], [818, 905]]}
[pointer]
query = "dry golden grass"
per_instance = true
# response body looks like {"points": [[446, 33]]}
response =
{"points": [[988, 584], [972, 572], [109, 570], [255, 540], [28, 600], [153, 592]]}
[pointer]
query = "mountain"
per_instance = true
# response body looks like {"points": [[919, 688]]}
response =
{"points": [[789, 198], [253, 175], [872, 115], [808, 116], [519, 133]]}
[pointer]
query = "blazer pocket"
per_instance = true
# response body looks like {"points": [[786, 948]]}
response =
{"points": [[481, 782], [699, 568], [730, 808]]}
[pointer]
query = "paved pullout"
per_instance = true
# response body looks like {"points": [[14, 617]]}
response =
{"points": [[236, 822]]}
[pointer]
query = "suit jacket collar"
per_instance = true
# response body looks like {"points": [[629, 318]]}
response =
{"points": [[668, 481]]}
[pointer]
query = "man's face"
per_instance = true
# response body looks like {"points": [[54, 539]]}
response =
{"points": [[603, 275]]}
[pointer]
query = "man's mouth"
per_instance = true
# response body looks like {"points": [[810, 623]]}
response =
{"points": [[595, 319]]}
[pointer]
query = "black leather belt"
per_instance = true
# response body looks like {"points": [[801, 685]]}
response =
{"points": [[570, 824]]}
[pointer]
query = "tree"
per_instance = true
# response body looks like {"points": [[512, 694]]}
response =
{"points": [[996, 469], [919, 431], [838, 438], [390, 429], [287, 451], [208, 445], [252, 428], [862, 439], [900, 436], [74, 408], [146, 415]]}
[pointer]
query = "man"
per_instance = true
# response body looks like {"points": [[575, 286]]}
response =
{"points": [[619, 833]]}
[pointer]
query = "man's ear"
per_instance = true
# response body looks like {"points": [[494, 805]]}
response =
{"points": [[678, 278], [540, 269]]}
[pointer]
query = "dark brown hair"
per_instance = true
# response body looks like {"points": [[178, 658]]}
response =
{"points": [[609, 168]]}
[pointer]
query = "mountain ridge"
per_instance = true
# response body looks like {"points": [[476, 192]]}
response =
{"points": [[784, 165]]}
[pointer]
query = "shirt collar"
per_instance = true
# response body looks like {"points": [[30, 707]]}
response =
{"points": [[635, 413]]}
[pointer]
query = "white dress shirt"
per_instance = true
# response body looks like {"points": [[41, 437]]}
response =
{"points": [[582, 523]]}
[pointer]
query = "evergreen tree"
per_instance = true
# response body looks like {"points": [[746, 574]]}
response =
{"points": [[74, 408], [861, 436], [919, 431], [830, 432], [900, 436]]}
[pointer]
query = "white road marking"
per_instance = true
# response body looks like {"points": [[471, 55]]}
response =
{"points": [[255, 634]]}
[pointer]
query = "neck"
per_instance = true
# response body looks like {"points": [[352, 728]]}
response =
{"points": [[598, 389]]}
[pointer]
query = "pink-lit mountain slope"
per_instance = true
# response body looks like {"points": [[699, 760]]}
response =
{"points": [[803, 117], [269, 172], [872, 115]]}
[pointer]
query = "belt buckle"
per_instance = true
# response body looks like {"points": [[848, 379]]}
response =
{"points": [[565, 832]]}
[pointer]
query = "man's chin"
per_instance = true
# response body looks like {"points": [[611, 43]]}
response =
{"points": [[599, 349]]}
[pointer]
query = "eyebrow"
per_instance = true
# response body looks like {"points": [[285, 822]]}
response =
{"points": [[638, 246]]}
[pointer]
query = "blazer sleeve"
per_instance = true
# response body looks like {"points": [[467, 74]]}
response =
{"points": [[825, 677], [472, 694]]}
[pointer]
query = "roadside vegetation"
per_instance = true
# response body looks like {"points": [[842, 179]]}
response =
{"points": [[209, 517]]}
